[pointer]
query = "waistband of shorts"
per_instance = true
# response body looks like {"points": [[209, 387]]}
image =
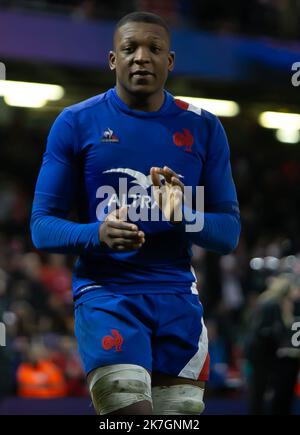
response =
{"points": [[91, 291]]}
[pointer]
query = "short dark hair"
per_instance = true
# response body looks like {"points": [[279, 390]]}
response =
{"points": [[143, 17]]}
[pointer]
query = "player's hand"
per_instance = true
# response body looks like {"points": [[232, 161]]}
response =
{"points": [[120, 235], [169, 196]]}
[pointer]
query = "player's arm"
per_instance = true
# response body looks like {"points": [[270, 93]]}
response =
{"points": [[222, 224], [55, 189], [221, 217]]}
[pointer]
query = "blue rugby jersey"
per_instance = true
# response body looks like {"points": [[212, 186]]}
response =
{"points": [[99, 141]]}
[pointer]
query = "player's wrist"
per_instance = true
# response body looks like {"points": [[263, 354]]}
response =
{"points": [[101, 229], [101, 234]]}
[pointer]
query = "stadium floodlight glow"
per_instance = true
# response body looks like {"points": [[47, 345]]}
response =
{"points": [[271, 262], [217, 107], [286, 135], [26, 94], [34, 102], [286, 124], [290, 261], [280, 120], [257, 263]]}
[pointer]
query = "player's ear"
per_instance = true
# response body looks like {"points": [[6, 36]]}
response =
{"points": [[112, 60], [171, 60]]}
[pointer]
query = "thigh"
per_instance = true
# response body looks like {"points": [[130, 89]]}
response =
{"points": [[180, 345], [161, 379], [121, 389], [108, 332]]}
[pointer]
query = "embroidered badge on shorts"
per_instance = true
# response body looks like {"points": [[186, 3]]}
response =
{"points": [[113, 340]]}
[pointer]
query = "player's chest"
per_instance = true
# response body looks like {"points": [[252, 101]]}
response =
{"points": [[120, 147]]}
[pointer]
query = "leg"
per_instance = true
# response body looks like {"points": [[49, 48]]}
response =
{"points": [[176, 396], [140, 408], [162, 379], [284, 385], [259, 380], [121, 389], [115, 349], [180, 357]]}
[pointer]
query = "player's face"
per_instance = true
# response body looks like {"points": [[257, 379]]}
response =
{"points": [[141, 58]]}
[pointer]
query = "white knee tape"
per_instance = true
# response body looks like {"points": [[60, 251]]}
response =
{"points": [[183, 399], [116, 386]]}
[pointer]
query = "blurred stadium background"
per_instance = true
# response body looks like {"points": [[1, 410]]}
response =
{"points": [[237, 51]]}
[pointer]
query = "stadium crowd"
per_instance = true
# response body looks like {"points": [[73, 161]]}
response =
{"points": [[268, 18]]}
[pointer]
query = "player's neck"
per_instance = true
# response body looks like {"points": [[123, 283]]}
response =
{"points": [[145, 103]]}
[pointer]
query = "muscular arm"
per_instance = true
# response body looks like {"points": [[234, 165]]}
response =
{"points": [[55, 189], [221, 229], [222, 218]]}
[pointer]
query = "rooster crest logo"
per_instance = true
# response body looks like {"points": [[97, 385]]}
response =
{"points": [[184, 139], [115, 339]]}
